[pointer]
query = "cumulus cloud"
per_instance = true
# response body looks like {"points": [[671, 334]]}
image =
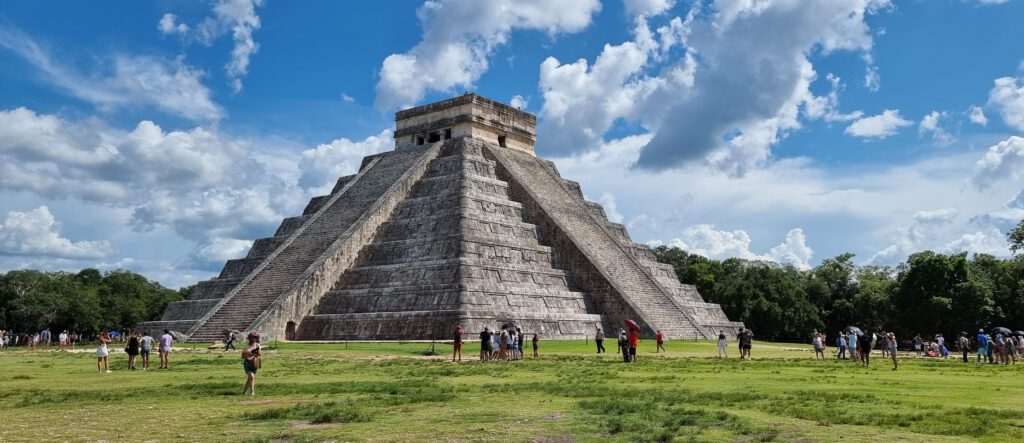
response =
{"points": [[322, 165], [126, 81], [826, 107], [931, 125], [37, 233], [518, 101], [237, 17], [216, 251], [1004, 160], [1007, 98], [709, 86], [705, 240], [611, 207], [648, 7], [880, 126], [941, 215], [977, 116], [459, 37]]}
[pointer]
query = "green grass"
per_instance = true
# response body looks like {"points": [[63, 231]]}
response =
{"points": [[393, 392]]}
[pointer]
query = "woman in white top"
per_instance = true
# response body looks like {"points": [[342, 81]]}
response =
{"points": [[102, 363]]}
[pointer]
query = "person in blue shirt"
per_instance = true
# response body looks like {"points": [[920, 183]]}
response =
{"points": [[982, 345]]}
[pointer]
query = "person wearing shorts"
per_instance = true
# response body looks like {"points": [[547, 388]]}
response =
{"points": [[892, 350], [165, 349], [251, 362], [660, 339], [634, 342], [982, 346], [485, 344], [145, 346], [457, 343]]}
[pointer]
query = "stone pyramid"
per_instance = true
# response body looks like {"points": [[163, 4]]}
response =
{"points": [[460, 224]]}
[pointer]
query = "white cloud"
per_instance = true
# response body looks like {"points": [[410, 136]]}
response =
{"points": [[611, 207], [347, 98], [218, 250], [237, 17], [826, 107], [709, 87], [459, 37], [705, 240], [1004, 160], [977, 116], [941, 215], [322, 165], [37, 233], [168, 25], [648, 7], [879, 126], [1007, 97], [872, 80], [931, 124], [992, 2], [519, 102], [130, 82]]}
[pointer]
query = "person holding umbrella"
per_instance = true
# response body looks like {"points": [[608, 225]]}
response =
{"points": [[633, 339]]}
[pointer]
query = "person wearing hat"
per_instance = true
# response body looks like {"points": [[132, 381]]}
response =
{"points": [[982, 345], [251, 362]]}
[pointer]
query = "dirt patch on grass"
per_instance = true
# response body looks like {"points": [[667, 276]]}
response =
{"points": [[303, 424]]}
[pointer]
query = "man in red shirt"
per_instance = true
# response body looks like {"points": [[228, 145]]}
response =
{"points": [[634, 341], [661, 343]]}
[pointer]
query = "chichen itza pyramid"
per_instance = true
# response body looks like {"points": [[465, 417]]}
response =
{"points": [[460, 224]]}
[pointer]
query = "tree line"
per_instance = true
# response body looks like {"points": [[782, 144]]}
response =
{"points": [[929, 293], [86, 302]]}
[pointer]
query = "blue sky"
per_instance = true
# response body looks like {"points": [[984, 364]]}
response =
{"points": [[164, 137]]}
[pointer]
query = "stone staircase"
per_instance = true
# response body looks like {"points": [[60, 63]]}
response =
{"points": [[311, 234], [605, 245]]}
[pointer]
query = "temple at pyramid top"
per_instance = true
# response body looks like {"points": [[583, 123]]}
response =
{"points": [[469, 115], [461, 224]]}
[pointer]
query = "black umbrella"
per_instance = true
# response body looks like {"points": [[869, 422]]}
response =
{"points": [[1018, 333], [1006, 332], [509, 325], [853, 330]]}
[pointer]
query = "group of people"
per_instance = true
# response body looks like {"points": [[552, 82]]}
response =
{"points": [[504, 344], [137, 344], [43, 339]]}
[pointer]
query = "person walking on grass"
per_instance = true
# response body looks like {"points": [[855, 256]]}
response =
{"points": [[45, 337], [918, 344], [457, 343], [982, 346], [746, 339], [634, 342], [722, 345], [503, 354], [599, 340], [819, 347], [251, 362], [536, 342], [62, 340], [892, 350], [132, 349], [485, 344], [145, 346], [229, 344], [841, 345], [102, 353], [885, 345], [865, 349], [1000, 349], [624, 346], [965, 345], [851, 346], [165, 349], [660, 339], [520, 343]]}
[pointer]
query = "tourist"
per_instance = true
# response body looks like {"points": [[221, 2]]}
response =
{"points": [[251, 362], [852, 345], [660, 339], [1011, 350], [457, 343], [841, 345], [229, 344], [599, 339], [496, 348], [918, 344], [892, 349], [634, 342], [520, 343], [1020, 346], [982, 345], [145, 346], [739, 341], [62, 339], [746, 339], [965, 345], [722, 344], [536, 341], [1000, 349], [940, 343], [513, 345], [819, 347], [165, 349], [504, 345], [485, 344], [132, 349], [991, 349], [865, 349], [885, 345], [623, 345], [45, 337], [102, 353], [73, 337]]}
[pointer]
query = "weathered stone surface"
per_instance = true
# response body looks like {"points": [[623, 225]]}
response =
{"points": [[471, 230]]}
